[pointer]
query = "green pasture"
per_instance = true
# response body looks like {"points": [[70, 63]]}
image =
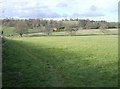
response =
{"points": [[63, 61], [11, 31]]}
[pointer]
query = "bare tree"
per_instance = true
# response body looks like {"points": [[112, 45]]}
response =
{"points": [[48, 28], [82, 23], [103, 27], [21, 28], [71, 28]]}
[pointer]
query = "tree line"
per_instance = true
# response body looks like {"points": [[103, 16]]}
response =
{"points": [[48, 26]]}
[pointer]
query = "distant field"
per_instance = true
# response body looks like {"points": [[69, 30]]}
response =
{"points": [[10, 31], [74, 61]]}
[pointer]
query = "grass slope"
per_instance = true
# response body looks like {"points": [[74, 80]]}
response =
{"points": [[60, 61]]}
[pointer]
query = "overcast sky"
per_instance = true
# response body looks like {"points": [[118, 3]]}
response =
{"points": [[58, 9]]}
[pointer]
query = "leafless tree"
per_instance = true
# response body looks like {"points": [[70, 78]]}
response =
{"points": [[71, 28], [103, 27], [48, 28], [82, 24], [21, 28]]}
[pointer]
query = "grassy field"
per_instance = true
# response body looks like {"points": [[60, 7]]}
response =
{"points": [[72, 61], [10, 31]]}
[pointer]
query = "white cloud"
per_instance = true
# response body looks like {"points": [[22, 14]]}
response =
{"points": [[96, 9]]}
